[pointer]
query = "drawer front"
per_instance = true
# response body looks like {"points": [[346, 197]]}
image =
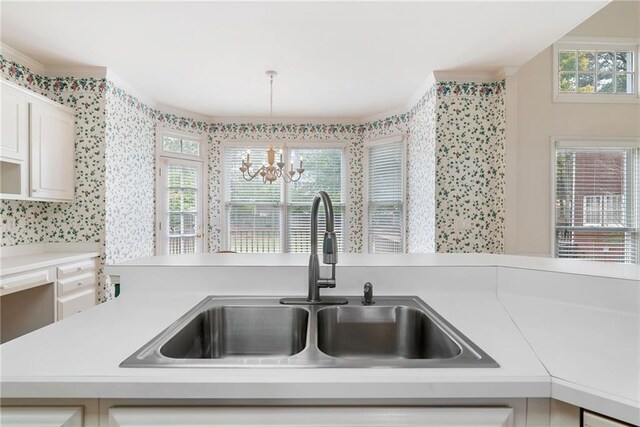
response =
{"points": [[75, 303], [76, 268], [75, 283], [22, 281]]}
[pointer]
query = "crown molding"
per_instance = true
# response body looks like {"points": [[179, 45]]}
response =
{"points": [[13, 55], [167, 109], [131, 90], [289, 120], [75, 71], [473, 76], [383, 115], [422, 89]]}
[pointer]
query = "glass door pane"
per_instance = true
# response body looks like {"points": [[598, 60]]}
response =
{"points": [[180, 207]]}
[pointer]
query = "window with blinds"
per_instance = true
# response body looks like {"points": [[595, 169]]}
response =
{"points": [[277, 217], [385, 198], [596, 202]]}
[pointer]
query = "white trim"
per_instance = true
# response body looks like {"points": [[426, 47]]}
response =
{"points": [[597, 44], [383, 115], [424, 87], [75, 71], [388, 140], [470, 76], [161, 156], [13, 55], [162, 131], [594, 141], [163, 108], [288, 120], [162, 200]]}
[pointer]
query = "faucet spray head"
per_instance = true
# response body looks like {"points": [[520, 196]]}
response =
{"points": [[330, 248]]}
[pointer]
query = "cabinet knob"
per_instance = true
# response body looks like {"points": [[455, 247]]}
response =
{"points": [[79, 284]]}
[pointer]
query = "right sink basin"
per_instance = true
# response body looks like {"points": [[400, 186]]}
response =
{"points": [[388, 332]]}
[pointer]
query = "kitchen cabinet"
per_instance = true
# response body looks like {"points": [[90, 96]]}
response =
{"points": [[37, 147], [42, 294], [42, 416], [589, 419], [309, 416]]}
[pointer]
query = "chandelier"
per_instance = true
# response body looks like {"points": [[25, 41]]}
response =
{"points": [[271, 170]]}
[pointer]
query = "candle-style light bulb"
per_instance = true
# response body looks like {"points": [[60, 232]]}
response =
{"points": [[280, 155], [248, 155], [301, 158]]}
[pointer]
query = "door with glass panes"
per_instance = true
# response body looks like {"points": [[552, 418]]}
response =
{"points": [[180, 207]]}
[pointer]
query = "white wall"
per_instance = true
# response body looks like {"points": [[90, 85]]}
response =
{"points": [[539, 119]]}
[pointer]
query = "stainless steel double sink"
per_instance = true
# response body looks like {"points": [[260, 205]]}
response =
{"points": [[401, 332]]}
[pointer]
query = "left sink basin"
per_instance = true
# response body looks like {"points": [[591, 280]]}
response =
{"points": [[225, 332], [236, 331]]}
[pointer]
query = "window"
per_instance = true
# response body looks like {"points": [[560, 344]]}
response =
{"points": [[595, 70], [175, 144], [180, 195], [385, 192], [596, 200], [277, 217]]}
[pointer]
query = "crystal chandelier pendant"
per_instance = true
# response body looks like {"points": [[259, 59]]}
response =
{"points": [[271, 170]]}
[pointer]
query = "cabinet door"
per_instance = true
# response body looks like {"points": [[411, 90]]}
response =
{"points": [[52, 151], [309, 416], [13, 144], [41, 416]]}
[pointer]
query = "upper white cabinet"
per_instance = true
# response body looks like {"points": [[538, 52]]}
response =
{"points": [[52, 149], [37, 147], [15, 133]]}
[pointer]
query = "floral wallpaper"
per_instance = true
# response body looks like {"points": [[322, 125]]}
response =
{"points": [[130, 181], [421, 175], [455, 137], [470, 167]]}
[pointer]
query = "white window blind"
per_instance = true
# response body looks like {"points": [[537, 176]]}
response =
{"points": [[253, 208], [323, 171], [385, 204], [258, 219], [596, 203]]}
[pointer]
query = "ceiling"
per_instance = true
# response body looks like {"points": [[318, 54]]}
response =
{"points": [[334, 59]]}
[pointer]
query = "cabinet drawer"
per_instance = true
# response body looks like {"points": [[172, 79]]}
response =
{"points": [[22, 281], [76, 268], [75, 283], [75, 303]]}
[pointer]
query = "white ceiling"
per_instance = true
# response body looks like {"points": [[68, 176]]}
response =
{"points": [[337, 60]]}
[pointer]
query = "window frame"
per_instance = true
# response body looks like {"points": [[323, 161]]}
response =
{"points": [[394, 139], [160, 196], [283, 204], [588, 142], [597, 44]]}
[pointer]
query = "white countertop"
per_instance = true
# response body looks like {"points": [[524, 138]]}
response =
{"points": [[36, 256], [546, 346]]}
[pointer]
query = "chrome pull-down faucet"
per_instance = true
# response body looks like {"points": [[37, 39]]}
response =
{"points": [[329, 255]]}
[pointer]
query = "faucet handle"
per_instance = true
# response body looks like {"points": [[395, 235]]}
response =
{"points": [[330, 248]]}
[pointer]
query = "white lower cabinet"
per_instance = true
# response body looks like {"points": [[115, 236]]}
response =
{"points": [[589, 419], [41, 416], [309, 416]]}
